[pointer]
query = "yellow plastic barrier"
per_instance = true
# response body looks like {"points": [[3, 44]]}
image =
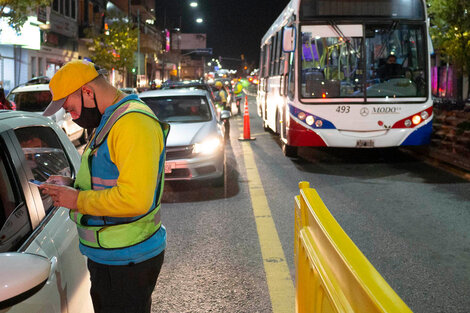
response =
{"points": [[332, 274]]}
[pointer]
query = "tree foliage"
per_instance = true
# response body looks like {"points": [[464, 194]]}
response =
{"points": [[17, 11], [450, 31], [115, 47]]}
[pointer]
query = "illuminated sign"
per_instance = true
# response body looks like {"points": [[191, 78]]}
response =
{"points": [[29, 38], [167, 40]]}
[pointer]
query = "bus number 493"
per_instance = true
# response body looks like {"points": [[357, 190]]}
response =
{"points": [[343, 109]]}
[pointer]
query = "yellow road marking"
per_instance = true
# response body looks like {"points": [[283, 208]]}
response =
{"points": [[280, 285]]}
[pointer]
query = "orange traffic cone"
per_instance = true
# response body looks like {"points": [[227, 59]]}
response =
{"points": [[246, 123]]}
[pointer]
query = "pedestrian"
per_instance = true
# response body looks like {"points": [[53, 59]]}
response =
{"points": [[115, 198], [221, 95], [238, 91], [4, 103]]}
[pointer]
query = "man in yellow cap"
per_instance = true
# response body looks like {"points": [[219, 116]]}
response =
{"points": [[115, 199]]}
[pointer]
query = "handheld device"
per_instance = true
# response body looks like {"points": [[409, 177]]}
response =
{"points": [[36, 182]]}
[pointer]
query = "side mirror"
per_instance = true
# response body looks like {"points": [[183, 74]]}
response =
{"points": [[288, 39], [225, 114], [21, 276]]}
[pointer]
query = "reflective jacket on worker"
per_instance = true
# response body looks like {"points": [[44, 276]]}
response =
{"points": [[238, 90], [221, 96], [122, 166]]}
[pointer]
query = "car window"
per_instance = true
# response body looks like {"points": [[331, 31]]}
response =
{"points": [[15, 225], [184, 109], [31, 101], [44, 155]]}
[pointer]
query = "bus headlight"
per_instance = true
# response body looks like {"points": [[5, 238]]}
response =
{"points": [[319, 123], [207, 146], [416, 119], [301, 116], [424, 115], [310, 120], [407, 123]]}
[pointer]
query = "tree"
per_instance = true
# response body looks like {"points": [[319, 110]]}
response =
{"points": [[17, 11], [450, 32], [115, 47]]}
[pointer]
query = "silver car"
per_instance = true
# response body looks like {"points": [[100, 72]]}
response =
{"points": [[41, 267], [195, 145]]}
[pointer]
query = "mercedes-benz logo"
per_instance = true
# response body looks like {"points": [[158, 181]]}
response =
{"points": [[364, 111]]}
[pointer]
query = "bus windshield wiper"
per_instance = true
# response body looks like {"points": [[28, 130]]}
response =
{"points": [[391, 29]]}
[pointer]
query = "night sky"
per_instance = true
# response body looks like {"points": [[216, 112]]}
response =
{"points": [[233, 27]]}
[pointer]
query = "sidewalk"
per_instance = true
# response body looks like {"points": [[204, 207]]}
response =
{"points": [[450, 140]]}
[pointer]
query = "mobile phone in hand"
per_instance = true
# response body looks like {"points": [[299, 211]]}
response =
{"points": [[36, 182]]}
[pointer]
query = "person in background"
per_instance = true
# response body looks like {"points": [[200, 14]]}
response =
{"points": [[4, 103], [238, 91], [221, 95], [115, 199], [390, 69]]}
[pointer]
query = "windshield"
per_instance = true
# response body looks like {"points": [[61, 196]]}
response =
{"points": [[340, 61], [182, 109], [31, 101]]}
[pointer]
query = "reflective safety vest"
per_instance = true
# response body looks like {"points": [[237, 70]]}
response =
{"points": [[221, 96], [123, 232]]}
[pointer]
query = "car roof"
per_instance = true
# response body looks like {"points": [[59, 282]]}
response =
{"points": [[6, 114], [12, 119], [29, 88], [180, 92]]}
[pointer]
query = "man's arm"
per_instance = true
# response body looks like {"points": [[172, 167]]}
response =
{"points": [[135, 143]]}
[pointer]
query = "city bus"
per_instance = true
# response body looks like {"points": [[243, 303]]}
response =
{"points": [[347, 73]]}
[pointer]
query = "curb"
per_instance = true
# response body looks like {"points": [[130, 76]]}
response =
{"points": [[440, 159]]}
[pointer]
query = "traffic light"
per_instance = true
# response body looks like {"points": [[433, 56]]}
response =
{"points": [[242, 57]]}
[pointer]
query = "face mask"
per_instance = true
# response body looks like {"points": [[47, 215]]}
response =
{"points": [[89, 117]]}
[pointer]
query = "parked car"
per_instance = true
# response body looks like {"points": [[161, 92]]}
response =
{"points": [[195, 145], [34, 96], [129, 90], [42, 269]]}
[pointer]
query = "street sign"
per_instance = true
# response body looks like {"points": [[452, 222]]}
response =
{"points": [[205, 51]]}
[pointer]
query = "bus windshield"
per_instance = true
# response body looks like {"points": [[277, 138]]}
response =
{"points": [[359, 61]]}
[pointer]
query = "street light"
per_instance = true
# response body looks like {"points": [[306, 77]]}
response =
{"points": [[199, 20], [193, 4]]}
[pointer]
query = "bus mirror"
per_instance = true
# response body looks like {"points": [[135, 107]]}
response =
{"points": [[288, 39]]}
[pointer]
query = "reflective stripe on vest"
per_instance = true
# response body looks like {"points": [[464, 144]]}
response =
{"points": [[131, 232]]}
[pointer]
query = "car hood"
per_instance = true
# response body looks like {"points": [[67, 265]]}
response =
{"points": [[185, 134]]}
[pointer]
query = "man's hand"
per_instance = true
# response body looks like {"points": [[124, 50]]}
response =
{"points": [[62, 195]]}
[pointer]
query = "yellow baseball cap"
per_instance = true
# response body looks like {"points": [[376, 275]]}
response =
{"points": [[68, 79]]}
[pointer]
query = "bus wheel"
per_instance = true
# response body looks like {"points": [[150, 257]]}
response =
{"points": [[289, 151]]}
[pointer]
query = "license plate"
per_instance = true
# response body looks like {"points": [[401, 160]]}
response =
{"points": [[365, 144], [169, 167]]}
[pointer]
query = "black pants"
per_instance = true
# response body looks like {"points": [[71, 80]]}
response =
{"points": [[124, 288]]}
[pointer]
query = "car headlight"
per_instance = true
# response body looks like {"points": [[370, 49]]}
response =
{"points": [[207, 146]]}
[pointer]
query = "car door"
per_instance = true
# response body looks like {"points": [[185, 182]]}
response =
{"points": [[35, 152]]}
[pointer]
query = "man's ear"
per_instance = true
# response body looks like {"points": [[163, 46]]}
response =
{"points": [[87, 91]]}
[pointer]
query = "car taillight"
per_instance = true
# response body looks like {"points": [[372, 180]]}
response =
{"points": [[414, 120]]}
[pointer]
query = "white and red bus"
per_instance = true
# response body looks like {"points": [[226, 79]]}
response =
{"points": [[347, 73]]}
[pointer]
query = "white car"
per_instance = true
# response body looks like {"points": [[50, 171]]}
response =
{"points": [[195, 147], [33, 97], [41, 267]]}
